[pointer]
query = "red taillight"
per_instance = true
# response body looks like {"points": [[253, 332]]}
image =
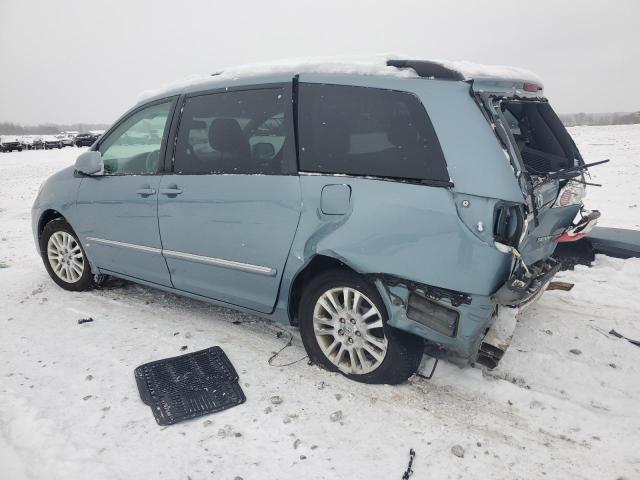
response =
{"points": [[565, 237], [531, 87], [571, 194], [565, 198]]}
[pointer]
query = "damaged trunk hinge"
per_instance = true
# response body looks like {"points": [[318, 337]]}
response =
{"points": [[427, 291]]}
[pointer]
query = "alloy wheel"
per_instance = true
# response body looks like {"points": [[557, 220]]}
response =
{"points": [[65, 256], [349, 330]]}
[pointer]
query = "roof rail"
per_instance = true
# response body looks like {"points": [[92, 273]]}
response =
{"points": [[428, 69]]}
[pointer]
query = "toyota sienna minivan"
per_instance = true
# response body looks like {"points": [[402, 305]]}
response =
{"points": [[382, 210]]}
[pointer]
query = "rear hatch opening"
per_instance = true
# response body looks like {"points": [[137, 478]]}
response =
{"points": [[544, 144], [550, 171], [549, 155]]}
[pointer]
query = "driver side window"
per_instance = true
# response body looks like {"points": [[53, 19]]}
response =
{"points": [[133, 148]]}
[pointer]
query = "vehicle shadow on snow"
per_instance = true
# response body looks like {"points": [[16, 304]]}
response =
{"points": [[117, 289], [123, 290]]}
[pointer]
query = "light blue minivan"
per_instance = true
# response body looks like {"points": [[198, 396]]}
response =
{"points": [[381, 211]]}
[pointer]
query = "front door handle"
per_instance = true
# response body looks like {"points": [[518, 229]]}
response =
{"points": [[171, 191], [145, 191]]}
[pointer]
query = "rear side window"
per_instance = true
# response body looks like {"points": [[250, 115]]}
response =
{"points": [[367, 131], [241, 132]]}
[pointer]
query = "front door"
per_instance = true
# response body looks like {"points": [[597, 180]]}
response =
{"points": [[118, 211], [229, 211]]}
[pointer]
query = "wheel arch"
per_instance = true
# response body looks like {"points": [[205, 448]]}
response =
{"points": [[317, 264], [47, 216]]}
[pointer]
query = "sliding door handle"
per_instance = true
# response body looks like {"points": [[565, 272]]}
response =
{"points": [[171, 191], [145, 192]]}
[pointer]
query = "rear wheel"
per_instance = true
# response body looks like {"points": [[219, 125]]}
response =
{"points": [[343, 324], [64, 258]]}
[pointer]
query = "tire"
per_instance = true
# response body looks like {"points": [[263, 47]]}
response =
{"points": [[353, 355], [72, 271]]}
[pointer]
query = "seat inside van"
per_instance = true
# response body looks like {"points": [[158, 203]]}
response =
{"points": [[545, 145]]}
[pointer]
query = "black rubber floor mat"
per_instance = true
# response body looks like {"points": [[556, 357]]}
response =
{"points": [[184, 405], [194, 371], [189, 386]]}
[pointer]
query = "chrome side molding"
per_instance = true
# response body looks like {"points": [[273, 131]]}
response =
{"points": [[113, 243], [219, 262]]}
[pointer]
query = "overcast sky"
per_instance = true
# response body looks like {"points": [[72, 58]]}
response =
{"points": [[87, 61]]}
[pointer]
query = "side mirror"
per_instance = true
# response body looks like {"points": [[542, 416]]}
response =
{"points": [[90, 163]]}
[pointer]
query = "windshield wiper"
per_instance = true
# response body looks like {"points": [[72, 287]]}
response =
{"points": [[573, 172]]}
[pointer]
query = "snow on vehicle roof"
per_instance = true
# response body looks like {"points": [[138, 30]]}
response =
{"points": [[344, 65]]}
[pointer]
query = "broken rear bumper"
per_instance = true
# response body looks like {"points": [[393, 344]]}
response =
{"points": [[456, 321], [526, 284], [452, 320], [582, 228]]}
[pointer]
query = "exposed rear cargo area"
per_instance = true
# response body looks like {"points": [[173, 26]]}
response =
{"points": [[543, 142]]}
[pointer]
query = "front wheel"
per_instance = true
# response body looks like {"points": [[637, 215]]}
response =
{"points": [[64, 258], [343, 325]]}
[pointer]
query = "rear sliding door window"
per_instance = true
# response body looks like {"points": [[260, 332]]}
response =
{"points": [[367, 131], [241, 132]]}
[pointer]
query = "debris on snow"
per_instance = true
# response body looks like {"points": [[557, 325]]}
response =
{"points": [[336, 416], [458, 451], [619, 335], [565, 286]]}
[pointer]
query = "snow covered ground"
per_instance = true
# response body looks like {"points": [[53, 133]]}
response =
{"points": [[70, 407]]}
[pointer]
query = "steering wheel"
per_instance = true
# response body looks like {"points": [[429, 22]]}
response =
{"points": [[152, 161]]}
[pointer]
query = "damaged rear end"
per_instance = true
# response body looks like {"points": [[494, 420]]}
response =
{"points": [[552, 176]]}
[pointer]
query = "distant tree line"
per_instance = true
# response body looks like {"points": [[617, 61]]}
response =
{"points": [[569, 119], [10, 128], [573, 119]]}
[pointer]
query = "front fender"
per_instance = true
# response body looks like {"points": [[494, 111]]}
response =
{"points": [[58, 193]]}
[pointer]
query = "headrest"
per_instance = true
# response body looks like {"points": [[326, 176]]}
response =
{"points": [[225, 135]]}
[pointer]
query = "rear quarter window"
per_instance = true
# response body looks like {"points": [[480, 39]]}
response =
{"points": [[367, 132]]}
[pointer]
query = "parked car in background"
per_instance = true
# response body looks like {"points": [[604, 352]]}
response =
{"points": [[37, 143], [68, 138], [85, 139], [26, 141], [10, 143], [380, 214], [52, 141]]}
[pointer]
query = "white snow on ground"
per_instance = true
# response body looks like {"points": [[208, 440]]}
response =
{"points": [[70, 406], [618, 199]]}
